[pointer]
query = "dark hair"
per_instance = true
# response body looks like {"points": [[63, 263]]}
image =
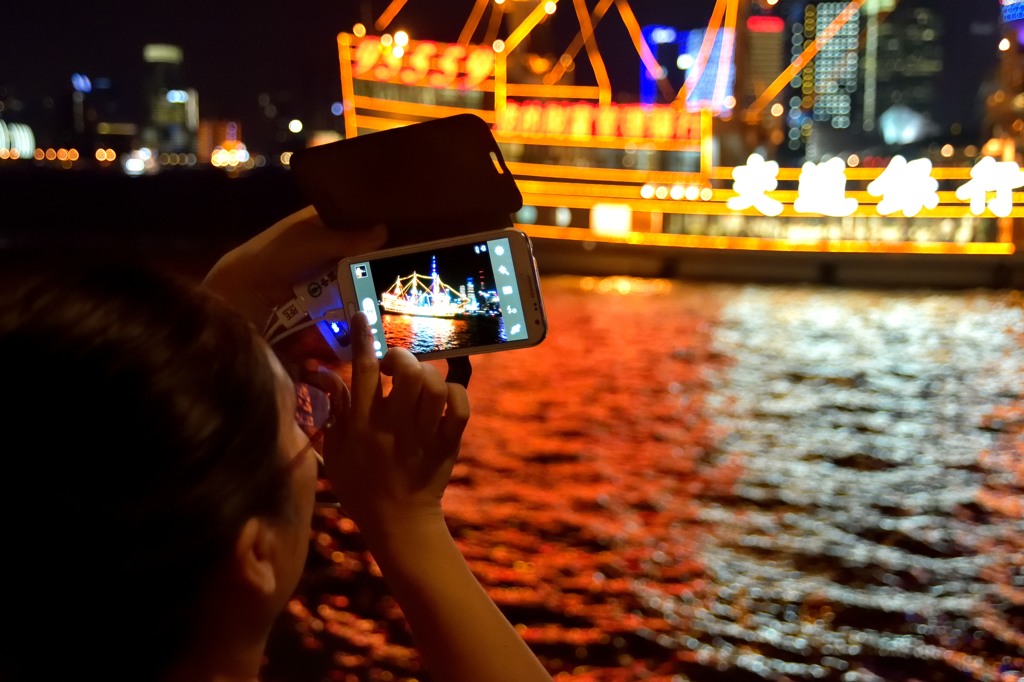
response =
{"points": [[140, 426]]}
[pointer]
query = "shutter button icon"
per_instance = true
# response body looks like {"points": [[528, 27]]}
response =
{"points": [[370, 308]]}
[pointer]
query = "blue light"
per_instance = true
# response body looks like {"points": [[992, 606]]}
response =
{"points": [[660, 35], [1014, 12], [656, 35], [81, 83], [337, 108]]}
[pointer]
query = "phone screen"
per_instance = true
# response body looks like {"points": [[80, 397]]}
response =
{"points": [[451, 297]]}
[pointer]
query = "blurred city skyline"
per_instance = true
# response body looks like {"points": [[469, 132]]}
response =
{"points": [[244, 62], [233, 52]]}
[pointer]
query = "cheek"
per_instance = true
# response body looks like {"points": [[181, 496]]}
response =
{"points": [[303, 473], [303, 507], [305, 481], [308, 477], [292, 439]]}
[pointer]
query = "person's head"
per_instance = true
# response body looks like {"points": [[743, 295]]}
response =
{"points": [[154, 476]]}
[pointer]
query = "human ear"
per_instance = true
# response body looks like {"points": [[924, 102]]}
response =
{"points": [[253, 556]]}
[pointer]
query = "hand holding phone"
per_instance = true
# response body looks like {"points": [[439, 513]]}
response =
{"points": [[436, 182]]}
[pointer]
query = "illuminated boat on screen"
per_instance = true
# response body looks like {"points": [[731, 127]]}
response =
{"points": [[424, 296], [594, 171]]}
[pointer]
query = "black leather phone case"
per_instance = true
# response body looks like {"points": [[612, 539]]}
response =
{"points": [[439, 178]]}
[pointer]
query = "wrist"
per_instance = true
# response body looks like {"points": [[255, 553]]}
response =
{"points": [[397, 535]]}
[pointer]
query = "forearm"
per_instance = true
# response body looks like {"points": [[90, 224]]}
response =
{"points": [[235, 278], [258, 275], [459, 630]]}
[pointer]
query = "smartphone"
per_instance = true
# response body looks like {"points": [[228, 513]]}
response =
{"points": [[425, 181], [477, 293]]}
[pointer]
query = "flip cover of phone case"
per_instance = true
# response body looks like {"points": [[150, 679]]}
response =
{"points": [[430, 180]]}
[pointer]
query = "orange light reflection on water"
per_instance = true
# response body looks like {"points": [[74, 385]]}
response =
{"points": [[724, 482]]}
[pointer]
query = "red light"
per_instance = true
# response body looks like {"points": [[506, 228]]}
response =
{"points": [[763, 24]]}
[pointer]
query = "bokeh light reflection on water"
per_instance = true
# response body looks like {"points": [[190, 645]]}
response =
{"points": [[726, 482]]}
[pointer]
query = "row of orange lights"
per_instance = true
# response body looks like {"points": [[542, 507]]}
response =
{"points": [[60, 154], [50, 154], [677, 192], [102, 155]]}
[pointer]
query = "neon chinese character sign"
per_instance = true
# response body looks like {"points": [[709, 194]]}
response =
{"points": [[905, 187]]}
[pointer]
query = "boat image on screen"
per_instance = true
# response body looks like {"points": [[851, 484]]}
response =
{"points": [[425, 314]]}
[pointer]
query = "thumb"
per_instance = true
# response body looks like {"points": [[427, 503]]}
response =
{"points": [[366, 379]]}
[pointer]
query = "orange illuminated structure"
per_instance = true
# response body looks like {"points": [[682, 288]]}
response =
{"points": [[591, 169]]}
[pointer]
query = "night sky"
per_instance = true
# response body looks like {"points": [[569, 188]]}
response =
{"points": [[235, 50]]}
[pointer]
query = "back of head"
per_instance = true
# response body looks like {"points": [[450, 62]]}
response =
{"points": [[140, 427]]}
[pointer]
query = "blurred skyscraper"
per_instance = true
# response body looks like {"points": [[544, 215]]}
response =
{"points": [[760, 52], [893, 72], [1004, 105], [172, 109]]}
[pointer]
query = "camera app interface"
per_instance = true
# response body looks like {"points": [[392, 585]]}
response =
{"points": [[447, 298]]}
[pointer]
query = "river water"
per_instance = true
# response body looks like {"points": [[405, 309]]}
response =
{"points": [[694, 481]]}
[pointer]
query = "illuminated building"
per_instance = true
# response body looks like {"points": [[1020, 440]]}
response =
{"points": [[908, 56], [892, 72], [761, 55], [823, 92], [669, 47], [17, 141], [172, 108], [933, 58], [213, 135], [708, 76], [220, 143], [1005, 102], [761, 52]]}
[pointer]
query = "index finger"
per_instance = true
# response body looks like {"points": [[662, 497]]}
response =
{"points": [[366, 382]]}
